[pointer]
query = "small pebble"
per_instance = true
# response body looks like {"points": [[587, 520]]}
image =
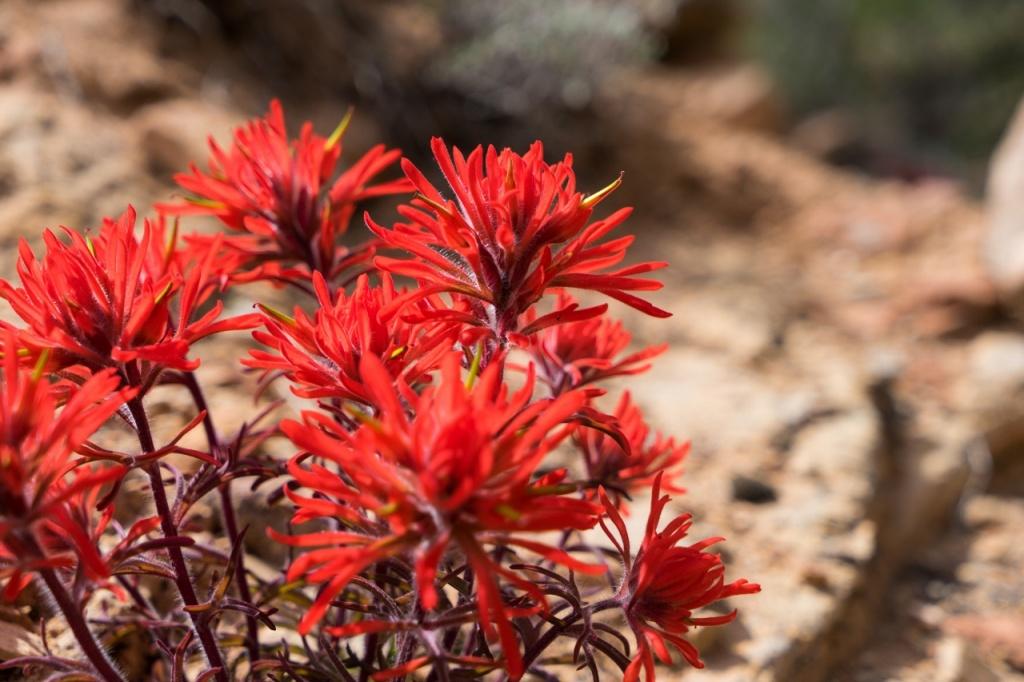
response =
{"points": [[751, 490]]}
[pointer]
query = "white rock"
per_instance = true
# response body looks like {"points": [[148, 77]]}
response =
{"points": [[957, 661], [1004, 243]]}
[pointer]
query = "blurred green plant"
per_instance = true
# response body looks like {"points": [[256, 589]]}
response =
{"points": [[518, 55], [939, 78]]}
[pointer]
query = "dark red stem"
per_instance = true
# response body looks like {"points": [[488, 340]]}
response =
{"points": [[76, 621], [227, 506], [547, 639], [170, 530]]}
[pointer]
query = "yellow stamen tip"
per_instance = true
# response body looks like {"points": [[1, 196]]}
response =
{"points": [[163, 293], [276, 314], [474, 369], [599, 196], [39, 369], [205, 203], [508, 512], [363, 417], [336, 136], [172, 242], [437, 206]]}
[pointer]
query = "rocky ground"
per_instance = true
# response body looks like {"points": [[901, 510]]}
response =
{"points": [[848, 366]]}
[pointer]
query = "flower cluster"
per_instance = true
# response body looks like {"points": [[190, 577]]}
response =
{"points": [[581, 352], [460, 473], [320, 355], [515, 228], [453, 458], [107, 302], [634, 467], [281, 200], [41, 485], [665, 583]]}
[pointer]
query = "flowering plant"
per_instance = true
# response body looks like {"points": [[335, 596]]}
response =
{"points": [[453, 466]]}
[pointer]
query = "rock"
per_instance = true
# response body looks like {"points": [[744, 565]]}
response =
{"points": [[748, 489], [16, 640], [834, 447], [62, 165], [933, 471], [701, 30], [92, 52], [998, 634], [174, 133], [1004, 241], [992, 393], [830, 135], [740, 95], [958, 661], [741, 321], [994, 380]]}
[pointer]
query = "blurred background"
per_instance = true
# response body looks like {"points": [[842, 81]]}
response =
{"points": [[838, 185], [902, 88]]}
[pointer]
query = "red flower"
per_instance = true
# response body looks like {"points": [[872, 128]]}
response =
{"points": [[578, 353], [454, 476], [665, 583], [39, 481], [515, 228], [70, 532], [648, 457], [320, 356], [107, 301], [277, 195]]}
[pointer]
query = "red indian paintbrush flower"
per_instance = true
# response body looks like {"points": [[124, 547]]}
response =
{"points": [[320, 356], [455, 476], [665, 583], [65, 536], [278, 196], [578, 353], [38, 476], [69, 534], [621, 471], [107, 302], [515, 228]]}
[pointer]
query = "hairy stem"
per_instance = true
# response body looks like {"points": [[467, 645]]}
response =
{"points": [[144, 606], [76, 621], [227, 506], [170, 530]]}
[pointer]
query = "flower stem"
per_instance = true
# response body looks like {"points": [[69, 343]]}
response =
{"points": [[548, 638], [170, 530], [76, 621], [227, 505]]}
